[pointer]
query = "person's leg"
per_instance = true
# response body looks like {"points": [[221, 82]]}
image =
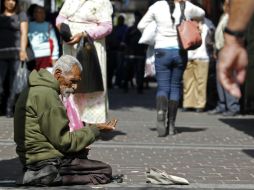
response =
{"points": [[201, 77], [85, 171], [221, 106], [111, 66], [233, 105], [178, 67], [127, 74], [140, 69], [189, 86], [13, 69], [3, 73], [163, 77], [119, 57]]}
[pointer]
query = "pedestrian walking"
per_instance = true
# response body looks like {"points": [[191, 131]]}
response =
{"points": [[13, 38], [233, 57], [170, 59], [88, 19], [227, 104]]}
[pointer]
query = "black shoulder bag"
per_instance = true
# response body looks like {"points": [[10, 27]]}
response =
{"points": [[91, 76]]}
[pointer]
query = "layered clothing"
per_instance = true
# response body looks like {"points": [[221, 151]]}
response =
{"points": [[41, 125], [94, 18]]}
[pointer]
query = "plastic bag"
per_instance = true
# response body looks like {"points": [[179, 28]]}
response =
{"points": [[148, 35], [21, 78], [72, 113], [149, 65]]}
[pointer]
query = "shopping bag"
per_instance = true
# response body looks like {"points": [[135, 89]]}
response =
{"points": [[21, 78], [75, 122], [148, 34], [150, 62], [91, 76]]}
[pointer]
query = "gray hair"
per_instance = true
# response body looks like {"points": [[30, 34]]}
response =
{"points": [[65, 64]]}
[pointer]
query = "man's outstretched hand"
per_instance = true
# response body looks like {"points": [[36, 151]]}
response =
{"points": [[108, 126]]}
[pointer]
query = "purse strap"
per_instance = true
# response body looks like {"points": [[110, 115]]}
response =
{"points": [[182, 7]]}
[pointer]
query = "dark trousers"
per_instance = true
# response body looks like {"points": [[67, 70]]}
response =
{"points": [[85, 171], [67, 171], [134, 67], [8, 70]]}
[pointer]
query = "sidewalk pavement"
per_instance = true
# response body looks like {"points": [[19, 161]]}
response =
{"points": [[211, 152]]}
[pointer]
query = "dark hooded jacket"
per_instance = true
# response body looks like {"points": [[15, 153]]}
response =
{"points": [[41, 128]]}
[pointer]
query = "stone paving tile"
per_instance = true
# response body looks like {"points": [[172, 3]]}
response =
{"points": [[198, 169], [212, 152]]}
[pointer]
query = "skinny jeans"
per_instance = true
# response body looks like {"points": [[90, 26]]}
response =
{"points": [[169, 66]]}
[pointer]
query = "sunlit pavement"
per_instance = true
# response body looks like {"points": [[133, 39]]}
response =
{"points": [[211, 152]]}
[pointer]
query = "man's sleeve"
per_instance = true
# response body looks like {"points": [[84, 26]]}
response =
{"points": [[54, 125]]}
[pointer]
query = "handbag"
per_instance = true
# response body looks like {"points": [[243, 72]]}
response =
{"points": [[148, 35], [189, 35], [149, 64], [65, 32], [91, 76]]}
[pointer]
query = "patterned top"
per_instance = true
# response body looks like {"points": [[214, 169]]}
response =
{"points": [[92, 16]]}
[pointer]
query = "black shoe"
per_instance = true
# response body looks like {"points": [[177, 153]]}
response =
{"points": [[46, 176], [215, 112], [229, 113]]}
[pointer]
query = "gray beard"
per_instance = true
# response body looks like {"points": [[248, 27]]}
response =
{"points": [[67, 92]]}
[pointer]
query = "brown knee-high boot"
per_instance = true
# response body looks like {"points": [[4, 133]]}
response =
{"points": [[161, 105], [172, 111]]}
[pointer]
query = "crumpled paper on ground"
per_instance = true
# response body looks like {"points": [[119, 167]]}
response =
{"points": [[160, 177]]}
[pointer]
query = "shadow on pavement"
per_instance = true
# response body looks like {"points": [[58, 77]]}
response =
{"points": [[10, 169], [249, 152], [185, 129], [244, 125], [110, 135], [120, 100]]}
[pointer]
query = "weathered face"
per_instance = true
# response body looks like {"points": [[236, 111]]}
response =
{"points": [[68, 81], [39, 14], [10, 5]]}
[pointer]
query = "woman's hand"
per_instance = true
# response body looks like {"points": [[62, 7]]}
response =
{"points": [[76, 38], [22, 55]]}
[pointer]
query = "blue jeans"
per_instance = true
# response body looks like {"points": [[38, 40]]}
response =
{"points": [[226, 101], [169, 67]]}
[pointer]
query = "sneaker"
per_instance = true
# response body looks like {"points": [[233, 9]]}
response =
{"points": [[229, 113], [215, 112]]}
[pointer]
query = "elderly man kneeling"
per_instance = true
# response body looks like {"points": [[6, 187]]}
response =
{"points": [[49, 152]]}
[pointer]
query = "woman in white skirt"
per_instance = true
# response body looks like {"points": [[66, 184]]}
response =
{"points": [[93, 18]]}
